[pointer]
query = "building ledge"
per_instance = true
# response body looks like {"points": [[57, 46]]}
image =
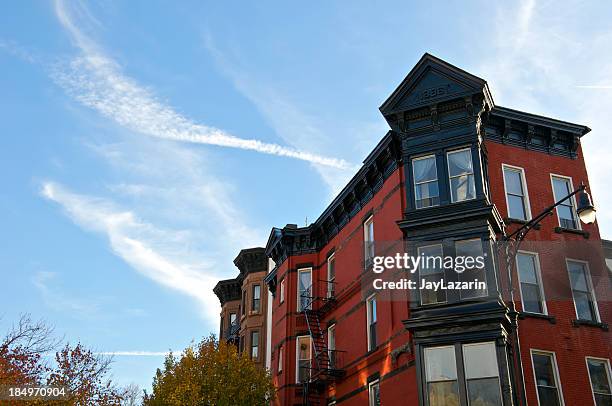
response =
{"points": [[589, 323], [509, 220], [525, 315], [560, 230]]}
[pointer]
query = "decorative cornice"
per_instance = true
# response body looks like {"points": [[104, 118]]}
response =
{"points": [[251, 260], [377, 167], [228, 290]]}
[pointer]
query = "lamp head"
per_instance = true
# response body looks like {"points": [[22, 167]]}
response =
{"points": [[585, 210]]}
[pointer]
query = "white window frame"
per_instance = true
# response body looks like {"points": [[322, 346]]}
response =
{"points": [[256, 287], [469, 149], [538, 272], [299, 271], [297, 356], [280, 359], [608, 371], [589, 282], [415, 184], [375, 382], [282, 291], [331, 344], [369, 319], [331, 291], [366, 239], [526, 203], [555, 372], [573, 199], [253, 332]]}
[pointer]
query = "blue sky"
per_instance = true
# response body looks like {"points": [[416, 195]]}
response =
{"points": [[145, 143]]}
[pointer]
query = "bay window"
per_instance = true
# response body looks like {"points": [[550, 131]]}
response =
{"points": [[431, 271], [304, 299], [303, 355], [461, 175], [425, 173]]}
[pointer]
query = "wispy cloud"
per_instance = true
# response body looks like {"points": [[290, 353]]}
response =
{"points": [[134, 353], [138, 243], [290, 123], [535, 65], [97, 81]]}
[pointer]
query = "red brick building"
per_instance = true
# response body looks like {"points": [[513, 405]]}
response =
{"points": [[454, 175]]}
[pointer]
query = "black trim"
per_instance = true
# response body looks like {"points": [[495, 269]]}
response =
{"points": [[525, 315], [590, 323], [561, 230]]}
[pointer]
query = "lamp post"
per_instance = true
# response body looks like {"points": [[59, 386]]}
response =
{"points": [[586, 212]]}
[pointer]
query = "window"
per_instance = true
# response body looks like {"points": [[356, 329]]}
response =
{"points": [[601, 384], [280, 359], [566, 211], [481, 374], [431, 272], [304, 299], [243, 303], [426, 193], [546, 378], [461, 175], [221, 328], [374, 393], [241, 344], [254, 344], [256, 301], [368, 239], [582, 291], [232, 318], [331, 345], [441, 376], [331, 276], [471, 249], [516, 193], [371, 319], [303, 358], [282, 291], [532, 293]]}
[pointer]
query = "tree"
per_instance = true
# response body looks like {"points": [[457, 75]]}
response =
{"points": [[82, 372], [210, 373]]}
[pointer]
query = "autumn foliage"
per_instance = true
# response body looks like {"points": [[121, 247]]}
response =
{"points": [[24, 361], [210, 373]]}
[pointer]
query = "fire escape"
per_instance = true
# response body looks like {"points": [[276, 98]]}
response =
{"points": [[325, 363]]}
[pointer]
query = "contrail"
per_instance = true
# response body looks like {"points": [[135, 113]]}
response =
{"points": [[97, 81]]}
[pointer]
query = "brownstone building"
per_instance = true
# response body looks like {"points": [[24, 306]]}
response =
{"points": [[244, 304]]}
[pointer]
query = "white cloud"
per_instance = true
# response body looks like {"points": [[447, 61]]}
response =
{"points": [[292, 125], [134, 353], [97, 81], [157, 254]]}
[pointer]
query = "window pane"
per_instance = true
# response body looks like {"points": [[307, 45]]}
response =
{"points": [[577, 276], [304, 348], [603, 400], [484, 392], [560, 188], [566, 216], [440, 364], [514, 184], [460, 162], [584, 306], [372, 307], [375, 394], [462, 188], [431, 296], [516, 207], [545, 375], [443, 393], [527, 268], [531, 298], [432, 255], [480, 360], [424, 169], [548, 396], [257, 292], [427, 194], [598, 372]]}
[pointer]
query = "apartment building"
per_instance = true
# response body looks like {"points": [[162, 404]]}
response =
{"points": [[455, 175], [244, 304]]}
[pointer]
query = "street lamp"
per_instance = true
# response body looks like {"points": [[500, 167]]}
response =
{"points": [[586, 212]]}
